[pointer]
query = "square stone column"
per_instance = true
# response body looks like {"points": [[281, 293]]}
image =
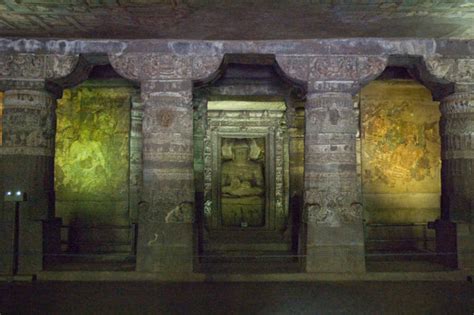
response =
{"points": [[166, 210], [165, 242], [335, 238], [31, 83], [27, 165]]}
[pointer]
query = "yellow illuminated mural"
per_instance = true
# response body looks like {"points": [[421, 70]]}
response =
{"points": [[400, 152], [92, 153]]}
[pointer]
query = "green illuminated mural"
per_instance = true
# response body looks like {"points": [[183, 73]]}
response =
{"points": [[92, 154]]}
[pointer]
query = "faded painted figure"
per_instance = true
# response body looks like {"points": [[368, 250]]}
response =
{"points": [[242, 184]]}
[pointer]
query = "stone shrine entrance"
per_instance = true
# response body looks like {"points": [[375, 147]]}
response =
{"points": [[242, 165]]}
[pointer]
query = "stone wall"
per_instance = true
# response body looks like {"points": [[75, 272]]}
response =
{"points": [[1, 114], [92, 155], [401, 159]]}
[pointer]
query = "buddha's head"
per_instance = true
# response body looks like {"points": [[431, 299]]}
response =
{"points": [[241, 150]]}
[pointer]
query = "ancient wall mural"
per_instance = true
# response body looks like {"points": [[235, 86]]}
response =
{"points": [[400, 152], [92, 155]]}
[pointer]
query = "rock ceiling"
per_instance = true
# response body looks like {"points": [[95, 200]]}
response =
{"points": [[237, 19]]}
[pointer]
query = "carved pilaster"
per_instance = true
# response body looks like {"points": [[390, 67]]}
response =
{"points": [[457, 153], [27, 154], [168, 148], [457, 137], [136, 156], [332, 200], [332, 196], [167, 208]]}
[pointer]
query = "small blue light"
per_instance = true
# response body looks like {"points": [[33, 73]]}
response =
{"points": [[9, 193]]}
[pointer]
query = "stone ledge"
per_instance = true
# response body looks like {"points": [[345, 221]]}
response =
{"points": [[91, 276]]}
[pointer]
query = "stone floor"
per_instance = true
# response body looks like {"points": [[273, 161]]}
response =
{"points": [[237, 298]]}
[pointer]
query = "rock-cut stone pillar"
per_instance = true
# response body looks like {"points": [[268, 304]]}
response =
{"points": [[136, 156], [335, 238], [455, 229], [457, 135], [332, 198], [27, 155], [166, 211]]}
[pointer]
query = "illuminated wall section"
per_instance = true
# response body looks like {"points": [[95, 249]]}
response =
{"points": [[400, 152], [92, 155]]}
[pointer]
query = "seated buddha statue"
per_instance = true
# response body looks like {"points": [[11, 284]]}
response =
{"points": [[242, 177]]}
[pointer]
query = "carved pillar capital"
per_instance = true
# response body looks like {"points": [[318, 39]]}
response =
{"points": [[27, 153], [34, 71], [457, 137], [164, 66], [454, 70], [28, 123], [332, 73]]}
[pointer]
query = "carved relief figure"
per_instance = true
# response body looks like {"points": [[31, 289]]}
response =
{"points": [[242, 183]]}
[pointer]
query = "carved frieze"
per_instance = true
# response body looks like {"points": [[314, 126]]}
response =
{"points": [[457, 126], [154, 66]]}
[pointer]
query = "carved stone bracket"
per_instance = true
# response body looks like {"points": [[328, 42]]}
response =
{"points": [[35, 71], [36, 66], [460, 71], [152, 66], [332, 73]]}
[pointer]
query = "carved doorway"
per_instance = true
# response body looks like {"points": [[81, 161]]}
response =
{"points": [[246, 131]]}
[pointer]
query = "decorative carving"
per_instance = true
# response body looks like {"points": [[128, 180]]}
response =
{"points": [[36, 66], [332, 207], [183, 213], [28, 120], [452, 70], [323, 68], [320, 69], [265, 125], [457, 126], [370, 67], [152, 66], [465, 70], [242, 182], [295, 66], [442, 68]]}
